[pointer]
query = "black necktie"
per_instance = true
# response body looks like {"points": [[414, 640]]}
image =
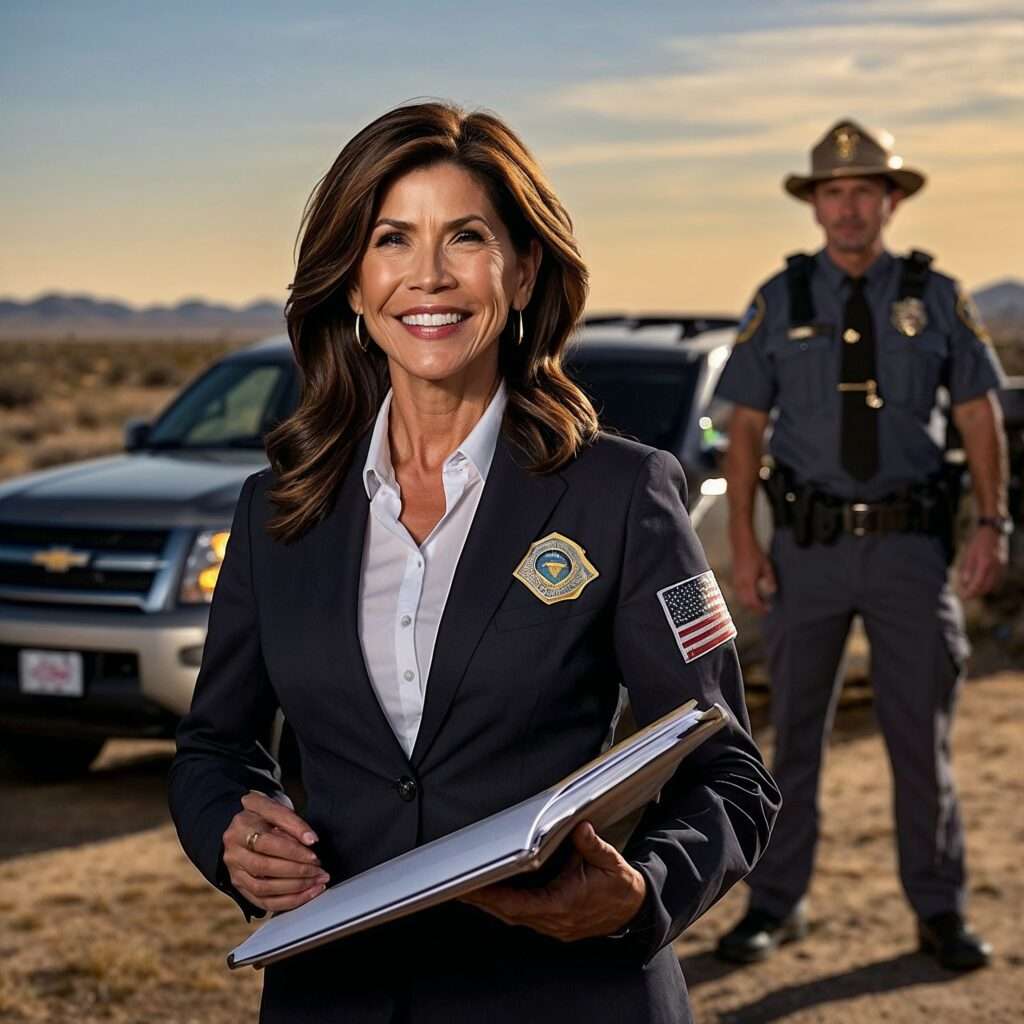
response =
{"points": [[858, 439]]}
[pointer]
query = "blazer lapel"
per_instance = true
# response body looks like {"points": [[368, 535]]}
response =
{"points": [[513, 509], [345, 535]]}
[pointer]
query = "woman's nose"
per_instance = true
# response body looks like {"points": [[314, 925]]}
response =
{"points": [[430, 271]]}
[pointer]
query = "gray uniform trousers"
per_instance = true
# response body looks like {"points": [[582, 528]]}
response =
{"points": [[898, 583]]}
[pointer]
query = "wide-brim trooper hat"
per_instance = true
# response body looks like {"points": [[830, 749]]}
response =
{"points": [[848, 151]]}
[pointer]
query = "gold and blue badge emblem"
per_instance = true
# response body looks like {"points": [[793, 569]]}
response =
{"points": [[555, 569]]}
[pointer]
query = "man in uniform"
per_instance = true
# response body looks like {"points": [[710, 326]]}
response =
{"points": [[855, 357]]}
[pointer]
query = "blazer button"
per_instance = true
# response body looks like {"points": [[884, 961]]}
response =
{"points": [[406, 788]]}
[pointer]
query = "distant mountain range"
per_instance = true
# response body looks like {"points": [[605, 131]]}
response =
{"points": [[81, 316], [1001, 302]]}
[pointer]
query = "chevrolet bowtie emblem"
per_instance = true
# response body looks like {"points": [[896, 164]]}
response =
{"points": [[61, 559]]}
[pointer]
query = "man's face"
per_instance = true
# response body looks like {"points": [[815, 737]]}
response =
{"points": [[853, 211]]}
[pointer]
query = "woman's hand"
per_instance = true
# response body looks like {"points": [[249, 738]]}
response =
{"points": [[597, 893], [276, 870]]}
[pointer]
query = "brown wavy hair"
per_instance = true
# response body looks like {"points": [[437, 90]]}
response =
{"points": [[548, 418]]}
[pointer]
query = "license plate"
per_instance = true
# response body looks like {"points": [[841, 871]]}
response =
{"points": [[53, 673]]}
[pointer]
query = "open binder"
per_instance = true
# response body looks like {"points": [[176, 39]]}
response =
{"points": [[623, 779]]}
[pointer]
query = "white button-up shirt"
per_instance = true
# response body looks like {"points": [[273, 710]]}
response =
{"points": [[403, 586]]}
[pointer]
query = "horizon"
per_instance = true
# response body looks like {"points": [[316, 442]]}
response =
{"points": [[165, 156], [269, 300]]}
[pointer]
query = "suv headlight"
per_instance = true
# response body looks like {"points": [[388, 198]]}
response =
{"points": [[203, 567]]}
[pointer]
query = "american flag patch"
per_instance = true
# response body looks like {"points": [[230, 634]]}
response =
{"points": [[698, 615]]}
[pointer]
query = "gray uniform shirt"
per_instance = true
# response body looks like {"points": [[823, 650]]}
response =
{"points": [[797, 378]]}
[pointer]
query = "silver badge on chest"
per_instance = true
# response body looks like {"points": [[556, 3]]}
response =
{"points": [[909, 317]]}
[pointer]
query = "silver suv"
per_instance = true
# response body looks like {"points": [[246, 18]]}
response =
{"points": [[107, 567]]}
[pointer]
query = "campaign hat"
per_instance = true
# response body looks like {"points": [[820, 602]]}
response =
{"points": [[848, 150]]}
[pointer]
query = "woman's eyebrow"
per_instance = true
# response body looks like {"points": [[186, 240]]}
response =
{"points": [[404, 225]]}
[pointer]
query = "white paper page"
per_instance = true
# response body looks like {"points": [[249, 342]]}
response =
{"points": [[422, 870]]}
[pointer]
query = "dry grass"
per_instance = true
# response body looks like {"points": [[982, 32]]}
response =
{"points": [[122, 931], [62, 401]]}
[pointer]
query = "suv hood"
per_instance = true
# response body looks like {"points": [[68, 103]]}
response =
{"points": [[143, 489]]}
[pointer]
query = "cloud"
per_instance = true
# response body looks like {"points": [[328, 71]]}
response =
{"points": [[941, 86]]}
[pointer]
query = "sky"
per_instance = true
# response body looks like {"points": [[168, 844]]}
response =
{"points": [[153, 152]]}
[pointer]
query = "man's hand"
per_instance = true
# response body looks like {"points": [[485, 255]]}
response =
{"points": [[753, 577], [983, 562], [276, 871], [596, 893]]}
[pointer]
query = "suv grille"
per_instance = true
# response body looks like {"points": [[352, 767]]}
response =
{"points": [[115, 568]]}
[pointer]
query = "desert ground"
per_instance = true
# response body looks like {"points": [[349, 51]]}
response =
{"points": [[106, 921]]}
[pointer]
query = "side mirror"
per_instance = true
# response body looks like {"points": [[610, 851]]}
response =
{"points": [[136, 433]]}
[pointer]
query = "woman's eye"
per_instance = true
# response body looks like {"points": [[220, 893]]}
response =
{"points": [[468, 235], [391, 238]]}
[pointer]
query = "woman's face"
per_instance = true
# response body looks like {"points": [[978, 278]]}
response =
{"points": [[439, 275]]}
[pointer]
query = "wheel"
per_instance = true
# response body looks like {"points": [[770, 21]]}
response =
{"points": [[49, 758]]}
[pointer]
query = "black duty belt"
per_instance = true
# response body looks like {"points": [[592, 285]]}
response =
{"points": [[814, 516], [860, 518]]}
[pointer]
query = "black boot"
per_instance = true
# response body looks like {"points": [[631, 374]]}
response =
{"points": [[759, 934], [952, 943]]}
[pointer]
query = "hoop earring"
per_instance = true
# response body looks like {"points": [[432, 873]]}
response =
{"points": [[521, 333], [363, 345]]}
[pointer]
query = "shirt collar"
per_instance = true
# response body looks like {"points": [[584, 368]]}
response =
{"points": [[478, 447], [836, 278]]}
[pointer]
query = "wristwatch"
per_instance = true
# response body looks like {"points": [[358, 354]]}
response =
{"points": [[1001, 524]]}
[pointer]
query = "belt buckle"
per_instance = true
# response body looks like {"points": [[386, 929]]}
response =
{"points": [[857, 518]]}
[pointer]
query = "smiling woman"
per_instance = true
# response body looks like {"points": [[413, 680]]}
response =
{"points": [[424, 204], [442, 581]]}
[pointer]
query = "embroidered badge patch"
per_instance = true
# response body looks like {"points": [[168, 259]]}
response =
{"points": [[968, 313], [909, 317], [751, 320], [698, 615], [555, 569]]}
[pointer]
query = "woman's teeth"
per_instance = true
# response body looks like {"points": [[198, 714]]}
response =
{"points": [[432, 319]]}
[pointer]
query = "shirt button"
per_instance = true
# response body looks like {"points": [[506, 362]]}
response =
{"points": [[406, 619], [406, 788], [409, 675]]}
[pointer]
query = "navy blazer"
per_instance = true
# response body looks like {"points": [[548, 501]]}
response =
{"points": [[520, 693]]}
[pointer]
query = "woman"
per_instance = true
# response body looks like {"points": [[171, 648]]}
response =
{"points": [[442, 581]]}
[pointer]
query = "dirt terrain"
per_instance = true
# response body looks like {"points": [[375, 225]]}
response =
{"points": [[105, 921]]}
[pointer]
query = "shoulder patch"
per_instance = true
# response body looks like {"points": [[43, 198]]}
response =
{"points": [[698, 615], [752, 319], [968, 313]]}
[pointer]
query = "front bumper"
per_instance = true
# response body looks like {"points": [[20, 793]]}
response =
{"points": [[140, 669]]}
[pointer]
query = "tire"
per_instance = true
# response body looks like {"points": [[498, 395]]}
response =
{"points": [[49, 758]]}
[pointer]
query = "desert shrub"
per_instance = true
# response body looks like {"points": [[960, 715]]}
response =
{"points": [[88, 413], [159, 375], [18, 390]]}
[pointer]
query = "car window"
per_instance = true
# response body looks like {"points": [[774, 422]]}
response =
{"points": [[233, 404], [649, 401]]}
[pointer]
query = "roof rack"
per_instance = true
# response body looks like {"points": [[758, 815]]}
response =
{"points": [[691, 326]]}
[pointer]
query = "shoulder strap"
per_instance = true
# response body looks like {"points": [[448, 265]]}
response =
{"points": [[799, 268], [914, 275]]}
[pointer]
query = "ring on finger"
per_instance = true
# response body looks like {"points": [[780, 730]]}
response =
{"points": [[250, 841]]}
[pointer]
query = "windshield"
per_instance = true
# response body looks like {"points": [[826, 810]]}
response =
{"points": [[649, 402], [231, 406]]}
